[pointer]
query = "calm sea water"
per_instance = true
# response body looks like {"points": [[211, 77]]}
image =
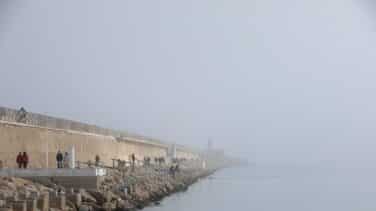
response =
{"points": [[282, 188]]}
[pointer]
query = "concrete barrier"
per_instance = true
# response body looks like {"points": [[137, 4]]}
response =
{"points": [[24, 173], [89, 178]]}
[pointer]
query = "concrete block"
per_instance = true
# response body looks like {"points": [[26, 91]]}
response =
{"points": [[83, 208], [34, 195], [13, 198], [44, 202], [24, 195], [45, 172], [76, 199], [58, 202], [108, 206], [108, 196], [31, 205], [62, 202], [19, 206]]}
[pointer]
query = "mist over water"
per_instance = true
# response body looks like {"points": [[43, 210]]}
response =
{"points": [[264, 79], [280, 187], [268, 80]]}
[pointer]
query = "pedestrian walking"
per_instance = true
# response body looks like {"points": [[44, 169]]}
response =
{"points": [[19, 160], [59, 159], [25, 160], [133, 157], [97, 160]]}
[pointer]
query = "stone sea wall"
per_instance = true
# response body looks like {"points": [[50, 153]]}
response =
{"points": [[43, 143], [129, 192], [44, 121], [42, 136]]}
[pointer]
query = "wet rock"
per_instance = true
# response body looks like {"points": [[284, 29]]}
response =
{"points": [[118, 191]]}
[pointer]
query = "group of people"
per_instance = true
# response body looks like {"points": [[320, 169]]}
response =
{"points": [[62, 160], [147, 161], [174, 169], [22, 160], [159, 160]]}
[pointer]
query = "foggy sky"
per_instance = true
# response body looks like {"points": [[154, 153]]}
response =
{"points": [[265, 79]]}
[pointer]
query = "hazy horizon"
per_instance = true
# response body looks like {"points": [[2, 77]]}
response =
{"points": [[288, 81]]}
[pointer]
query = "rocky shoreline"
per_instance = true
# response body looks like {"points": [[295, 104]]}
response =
{"points": [[145, 189], [118, 191]]}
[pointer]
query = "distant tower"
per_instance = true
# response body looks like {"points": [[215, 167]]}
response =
{"points": [[210, 145], [173, 151]]}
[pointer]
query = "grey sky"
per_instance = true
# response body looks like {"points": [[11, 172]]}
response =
{"points": [[268, 79]]}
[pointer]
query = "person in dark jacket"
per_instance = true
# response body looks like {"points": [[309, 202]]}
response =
{"points": [[97, 160], [177, 169], [25, 160], [19, 160], [133, 157], [21, 115], [59, 159], [172, 171]]}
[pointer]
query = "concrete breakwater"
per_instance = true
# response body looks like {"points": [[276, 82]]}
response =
{"points": [[128, 183], [118, 191], [143, 188], [42, 136]]}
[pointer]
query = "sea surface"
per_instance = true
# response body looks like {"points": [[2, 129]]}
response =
{"points": [[279, 188]]}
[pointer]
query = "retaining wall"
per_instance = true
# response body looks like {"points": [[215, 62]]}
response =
{"points": [[42, 145], [43, 135]]}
